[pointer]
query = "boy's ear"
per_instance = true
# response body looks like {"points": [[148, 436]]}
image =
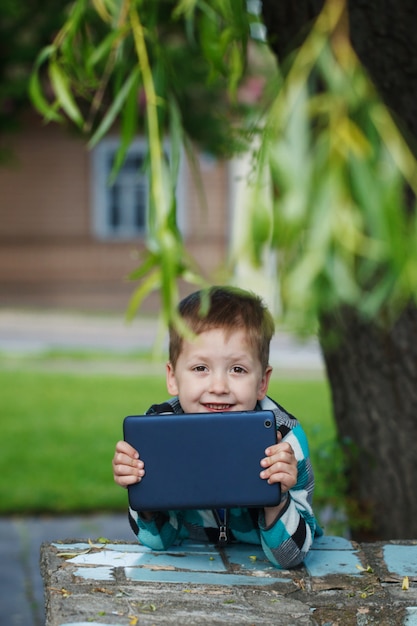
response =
{"points": [[172, 386], [264, 384]]}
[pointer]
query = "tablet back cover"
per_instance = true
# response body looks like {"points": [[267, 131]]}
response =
{"points": [[202, 460]]}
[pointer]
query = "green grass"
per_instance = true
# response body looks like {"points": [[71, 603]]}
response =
{"points": [[58, 431]]}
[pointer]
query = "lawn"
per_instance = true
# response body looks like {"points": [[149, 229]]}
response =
{"points": [[58, 431]]}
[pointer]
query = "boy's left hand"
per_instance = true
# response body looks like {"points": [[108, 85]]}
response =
{"points": [[280, 465]]}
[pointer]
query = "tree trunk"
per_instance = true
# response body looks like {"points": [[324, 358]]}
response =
{"points": [[372, 371], [383, 35], [373, 378]]}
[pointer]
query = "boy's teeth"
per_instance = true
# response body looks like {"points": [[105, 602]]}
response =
{"points": [[218, 406]]}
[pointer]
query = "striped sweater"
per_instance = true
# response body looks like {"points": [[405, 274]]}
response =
{"points": [[285, 542]]}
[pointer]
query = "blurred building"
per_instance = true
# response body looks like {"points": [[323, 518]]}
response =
{"points": [[69, 240]]}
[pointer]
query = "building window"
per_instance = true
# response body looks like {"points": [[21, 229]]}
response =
{"points": [[120, 210]]}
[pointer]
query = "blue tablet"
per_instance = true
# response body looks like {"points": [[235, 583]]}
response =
{"points": [[202, 460]]}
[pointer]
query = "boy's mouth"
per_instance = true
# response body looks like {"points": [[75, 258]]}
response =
{"points": [[218, 407]]}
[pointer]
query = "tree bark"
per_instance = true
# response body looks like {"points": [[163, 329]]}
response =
{"points": [[373, 378], [288, 23], [383, 35], [372, 370]]}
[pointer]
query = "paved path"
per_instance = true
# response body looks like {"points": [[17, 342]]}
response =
{"points": [[21, 586], [24, 332]]}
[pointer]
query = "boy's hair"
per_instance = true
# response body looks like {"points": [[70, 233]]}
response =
{"points": [[228, 308]]}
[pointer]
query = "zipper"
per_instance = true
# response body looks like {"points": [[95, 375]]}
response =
{"points": [[222, 524]]}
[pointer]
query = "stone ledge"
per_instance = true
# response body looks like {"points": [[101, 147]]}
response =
{"points": [[123, 583]]}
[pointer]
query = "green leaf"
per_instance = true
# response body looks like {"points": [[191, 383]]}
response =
{"points": [[129, 124], [150, 262], [151, 283], [115, 108], [36, 91], [186, 8], [176, 137], [36, 94], [60, 84], [102, 51]]}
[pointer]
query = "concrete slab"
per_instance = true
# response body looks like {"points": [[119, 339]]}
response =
{"points": [[401, 560], [411, 616]]}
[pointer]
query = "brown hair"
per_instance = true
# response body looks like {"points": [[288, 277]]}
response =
{"points": [[228, 308]]}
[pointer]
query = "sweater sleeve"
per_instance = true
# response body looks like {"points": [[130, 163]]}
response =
{"points": [[287, 541], [159, 532]]}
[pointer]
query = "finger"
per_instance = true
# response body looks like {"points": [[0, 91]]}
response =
{"points": [[278, 454], [125, 466], [121, 458], [126, 480], [286, 481], [124, 473], [125, 448], [283, 462], [279, 447], [284, 473], [124, 469]]}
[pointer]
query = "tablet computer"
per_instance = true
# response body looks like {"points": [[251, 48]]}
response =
{"points": [[202, 460]]}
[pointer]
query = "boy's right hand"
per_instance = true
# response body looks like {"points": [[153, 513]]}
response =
{"points": [[128, 468]]}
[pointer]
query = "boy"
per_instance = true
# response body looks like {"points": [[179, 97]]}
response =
{"points": [[224, 367]]}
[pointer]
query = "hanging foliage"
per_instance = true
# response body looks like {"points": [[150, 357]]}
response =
{"points": [[326, 190]]}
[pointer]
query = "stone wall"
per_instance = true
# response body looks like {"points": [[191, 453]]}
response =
{"points": [[340, 583]]}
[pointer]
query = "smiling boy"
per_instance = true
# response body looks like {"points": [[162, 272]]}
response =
{"points": [[225, 367]]}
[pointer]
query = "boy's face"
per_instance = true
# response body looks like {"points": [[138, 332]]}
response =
{"points": [[218, 371]]}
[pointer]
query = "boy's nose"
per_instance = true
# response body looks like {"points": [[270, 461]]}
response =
{"points": [[219, 384]]}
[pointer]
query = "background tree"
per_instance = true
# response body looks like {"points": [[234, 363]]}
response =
{"points": [[24, 29], [373, 367], [327, 193]]}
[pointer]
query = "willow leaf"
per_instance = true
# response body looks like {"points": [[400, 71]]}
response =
{"points": [[115, 108], [36, 90], [151, 283], [175, 138], [102, 51], [149, 263], [36, 94], [62, 90], [129, 124], [101, 8]]}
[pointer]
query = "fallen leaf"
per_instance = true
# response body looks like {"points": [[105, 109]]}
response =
{"points": [[64, 592], [368, 569], [70, 555], [103, 590], [74, 553]]}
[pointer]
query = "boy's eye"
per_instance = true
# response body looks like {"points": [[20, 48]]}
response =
{"points": [[237, 369], [199, 368]]}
